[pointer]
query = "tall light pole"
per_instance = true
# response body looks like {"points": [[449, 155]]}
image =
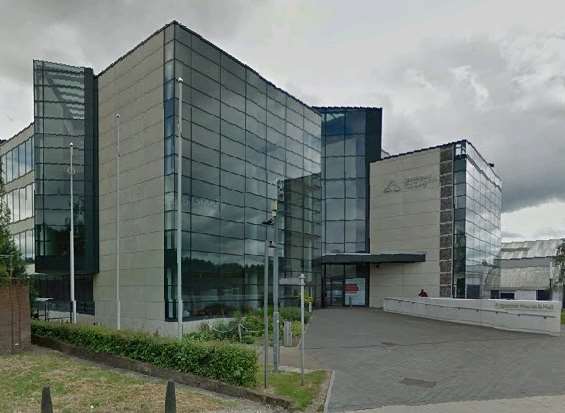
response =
{"points": [[266, 310], [275, 289], [72, 239], [118, 305], [268, 245], [180, 305], [301, 329]]}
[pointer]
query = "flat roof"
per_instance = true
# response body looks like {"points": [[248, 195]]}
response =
{"points": [[378, 258], [193, 33], [5, 141], [443, 145]]}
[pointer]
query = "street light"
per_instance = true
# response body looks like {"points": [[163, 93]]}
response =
{"points": [[267, 222], [72, 239], [301, 329], [180, 303], [276, 343], [118, 305]]}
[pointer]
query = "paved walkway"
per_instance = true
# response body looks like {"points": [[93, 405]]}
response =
{"points": [[384, 359], [536, 404]]}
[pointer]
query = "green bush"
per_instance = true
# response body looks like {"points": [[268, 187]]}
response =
{"points": [[247, 327], [293, 314], [296, 328], [230, 363], [285, 313]]}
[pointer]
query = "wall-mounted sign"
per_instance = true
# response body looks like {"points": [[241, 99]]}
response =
{"points": [[533, 306], [392, 187], [355, 291], [409, 184]]}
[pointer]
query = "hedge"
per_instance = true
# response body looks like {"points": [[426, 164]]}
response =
{"points": [[226, 362]]}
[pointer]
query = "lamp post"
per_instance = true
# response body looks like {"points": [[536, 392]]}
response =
{"points": [[301, 329], [266, 311], [118, 305], [268, 245], [180, 306], [72, 240], [275, 289]]}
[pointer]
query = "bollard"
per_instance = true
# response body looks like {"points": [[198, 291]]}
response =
{"points": [[170, 398], [287, 336], [46, 403]]}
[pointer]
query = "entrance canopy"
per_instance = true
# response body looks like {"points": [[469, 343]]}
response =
{"points": [[378, 258]]}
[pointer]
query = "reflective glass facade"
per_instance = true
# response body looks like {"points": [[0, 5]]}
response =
{"points": [[17, 161], [244, 142], [20, 203], [478, 205], [351, 139], [25, 243], [64, 112]]}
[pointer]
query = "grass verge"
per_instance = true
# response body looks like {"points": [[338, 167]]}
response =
{"points": [[79, 386], [562, 317], [287, 384]]}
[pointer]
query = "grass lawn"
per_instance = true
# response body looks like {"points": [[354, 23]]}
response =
{"points": [[80, 386], [288, 384]]}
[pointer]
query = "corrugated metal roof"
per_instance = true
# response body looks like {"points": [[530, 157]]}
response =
{"points": [[528, 278], [530, 249]]}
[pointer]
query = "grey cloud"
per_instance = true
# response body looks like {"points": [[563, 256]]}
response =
{"points": [[88, 33], [503, 93], [511, 235], [509, 108], [549, 232]]}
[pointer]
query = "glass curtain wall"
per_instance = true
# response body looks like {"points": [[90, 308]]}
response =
{"points": [[350, 140], [20, 203], [242, 137], [478, 206], [25, 243], [18, 161], [65, 112]]}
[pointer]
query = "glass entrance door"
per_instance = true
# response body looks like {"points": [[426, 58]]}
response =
{"points": [[334, 291], [345, 285]]}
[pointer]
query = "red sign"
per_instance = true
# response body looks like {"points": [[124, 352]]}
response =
{"points": [[351, 288]]}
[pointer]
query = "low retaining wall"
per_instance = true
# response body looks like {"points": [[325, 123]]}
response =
{"points": [[167, 374], [540, 317], [15, 320]]}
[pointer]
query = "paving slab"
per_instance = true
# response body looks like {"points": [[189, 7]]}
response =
{"points": [[382, 359], [536, 404]]}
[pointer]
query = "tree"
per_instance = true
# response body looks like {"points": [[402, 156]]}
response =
{"points": [[11, 260], [559, 262]]}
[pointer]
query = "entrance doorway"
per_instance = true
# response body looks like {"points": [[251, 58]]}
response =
{"points": [[345, 285]]}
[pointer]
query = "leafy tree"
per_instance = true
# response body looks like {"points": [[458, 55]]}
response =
{"points": [[559, 261], [11, 260]]}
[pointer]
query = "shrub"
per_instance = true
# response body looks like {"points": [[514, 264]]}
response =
{"points": [[230, 363], [246, 327], [293, 314]]}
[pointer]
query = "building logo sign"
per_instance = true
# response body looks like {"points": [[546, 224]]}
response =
{"points": [[392, 187], [410, 183]]}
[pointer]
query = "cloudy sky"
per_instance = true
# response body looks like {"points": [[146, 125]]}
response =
{"points": [[490, 71]]}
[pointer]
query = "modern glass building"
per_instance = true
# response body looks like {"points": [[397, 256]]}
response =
{"points": [[437, 210], [16, 159], [246, 144], [477, 209], [351, 139]]}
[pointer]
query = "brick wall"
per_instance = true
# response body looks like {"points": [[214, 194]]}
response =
{"points": [[15, 320]]}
